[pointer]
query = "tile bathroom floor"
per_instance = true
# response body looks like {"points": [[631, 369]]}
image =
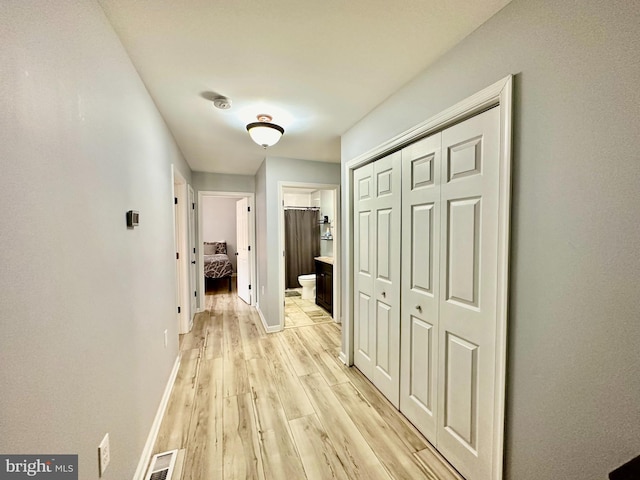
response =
{"points": [[299, 312]]}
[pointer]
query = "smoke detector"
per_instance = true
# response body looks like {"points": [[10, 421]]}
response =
{"points": [[223, 103]]}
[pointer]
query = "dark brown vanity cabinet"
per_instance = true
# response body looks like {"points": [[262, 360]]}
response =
{"points": [[324, 286]]}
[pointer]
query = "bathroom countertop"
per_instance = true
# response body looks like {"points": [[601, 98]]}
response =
{"points": [[328, 260]]}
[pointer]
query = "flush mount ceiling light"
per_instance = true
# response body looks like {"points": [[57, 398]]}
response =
{"points": [[263, 132]]}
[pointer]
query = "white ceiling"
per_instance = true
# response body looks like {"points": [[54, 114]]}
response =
{"points": [[316, 66]]}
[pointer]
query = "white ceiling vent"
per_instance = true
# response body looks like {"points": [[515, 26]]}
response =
{"points": [[162, 464]]}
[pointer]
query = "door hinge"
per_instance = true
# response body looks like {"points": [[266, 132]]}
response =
{"points": [[193, 206], [194, 249], [249, 286], [248, 209], [195, 294], [175, 200], [177, 256], [178, 309], [249, 248]]}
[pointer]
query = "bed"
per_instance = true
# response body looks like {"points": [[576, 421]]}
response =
{"points": [[216, 261]]}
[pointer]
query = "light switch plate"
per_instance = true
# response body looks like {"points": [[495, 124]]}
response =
{"points": [[104, 454]]}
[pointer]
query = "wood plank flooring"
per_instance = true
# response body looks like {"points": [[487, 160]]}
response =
{"points": [[247, 405]]}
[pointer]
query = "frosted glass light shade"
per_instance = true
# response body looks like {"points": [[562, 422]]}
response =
{"points": [[265, 134]]}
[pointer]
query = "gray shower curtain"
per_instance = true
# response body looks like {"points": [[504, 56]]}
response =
{"points": [[302, 244]]}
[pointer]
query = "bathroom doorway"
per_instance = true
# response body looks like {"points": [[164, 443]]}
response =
{"points": [[309, 241]]}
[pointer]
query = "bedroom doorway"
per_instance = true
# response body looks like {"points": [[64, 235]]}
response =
{"points": [[223, 227]]}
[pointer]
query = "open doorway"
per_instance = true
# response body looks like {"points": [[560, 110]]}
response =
{"points": [[226, 236], [309, 239]]}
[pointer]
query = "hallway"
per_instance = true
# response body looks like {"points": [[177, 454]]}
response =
{"points": [[282, 406]]}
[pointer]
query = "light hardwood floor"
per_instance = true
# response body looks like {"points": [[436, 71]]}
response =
{"points": [[282, 406]]}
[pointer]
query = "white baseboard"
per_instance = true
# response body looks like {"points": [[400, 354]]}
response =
{"points": [[267, 328], [343, 358], [155, 426]]}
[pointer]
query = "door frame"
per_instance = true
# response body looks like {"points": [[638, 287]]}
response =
{"points": [[243, 211], [251, 225], [337, 246], [181, 235], [499, 95], [193, 266]]}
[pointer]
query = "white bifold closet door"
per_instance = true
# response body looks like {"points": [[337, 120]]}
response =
{"points": [[425, 335], [420, 283], [469, 230], [449, 290], [377, 273]]}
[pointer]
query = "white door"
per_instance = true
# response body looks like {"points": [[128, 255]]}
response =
{"points": [[363, 250], [242, 245], [192, 252], [377, 245], [386, 187], [176, 231], [420, 285], [468, 293], [451, 212]]}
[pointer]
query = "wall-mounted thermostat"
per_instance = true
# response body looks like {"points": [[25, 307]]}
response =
{"points": [[133, 218]]}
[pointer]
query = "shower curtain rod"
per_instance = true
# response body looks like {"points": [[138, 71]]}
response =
{"points": [[302, 208]]}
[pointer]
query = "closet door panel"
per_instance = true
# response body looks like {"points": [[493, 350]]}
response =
{"points": [[384, 324], [421, 253], [384, 222], [463, 256], [364, 309], [364, 228], [420, 278], [467, 298], [387, 185], [461, 394], [421, 353], [364, 248]]}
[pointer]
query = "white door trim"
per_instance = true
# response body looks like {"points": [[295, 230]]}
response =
{"points": [[337, 265], [193, 267], [243, 247], [497, 95], [252, 239], [181, 234]]}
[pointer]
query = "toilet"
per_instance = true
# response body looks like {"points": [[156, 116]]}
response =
{"points": [[308, 283]]}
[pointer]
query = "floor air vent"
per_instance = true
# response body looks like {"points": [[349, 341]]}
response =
{"points": [[162, 464]]}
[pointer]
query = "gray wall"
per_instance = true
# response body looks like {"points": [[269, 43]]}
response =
{"points": [[574, 369], [328, 208], [272, 171], [219, 223], [220, 182], [261, 235], [84, 300]]}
